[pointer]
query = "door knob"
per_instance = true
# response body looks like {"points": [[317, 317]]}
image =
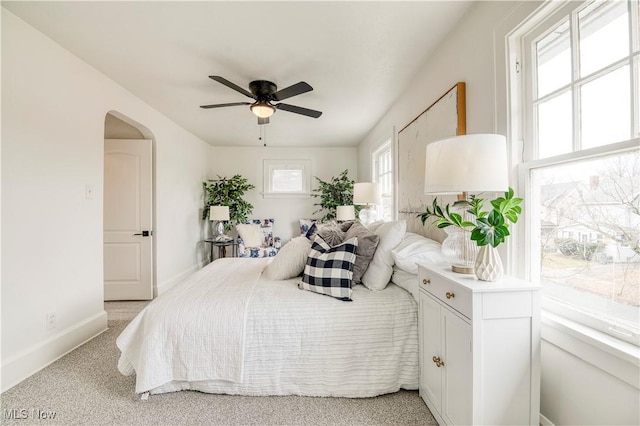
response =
{"points": [[144, 233], [439, 363]]}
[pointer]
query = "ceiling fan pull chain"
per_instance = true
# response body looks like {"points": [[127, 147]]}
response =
{"points": [[263, 130], [262, 134]]}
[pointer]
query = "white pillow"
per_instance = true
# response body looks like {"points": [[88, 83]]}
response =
{"points": [[290, 260], [375, 225], [415, 249], [250, 234], [380, 269]]}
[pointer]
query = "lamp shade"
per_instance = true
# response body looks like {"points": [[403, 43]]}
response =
{"points": [[219, 213], [345, 213], [367, 193], [467, 163]]}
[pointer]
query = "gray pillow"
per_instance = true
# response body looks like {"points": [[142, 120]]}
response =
{"points": [[332, 234], [367, 244]]}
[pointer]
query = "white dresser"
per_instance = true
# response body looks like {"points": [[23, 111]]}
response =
{"points": [[479, 348]]}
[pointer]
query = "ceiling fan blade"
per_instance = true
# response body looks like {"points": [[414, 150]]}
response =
{"points": [[287, 92], [224, 105], [299, 110], [232, 86], [263, 120]]}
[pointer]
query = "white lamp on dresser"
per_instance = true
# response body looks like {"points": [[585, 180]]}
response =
{"points": [[466, 164]]}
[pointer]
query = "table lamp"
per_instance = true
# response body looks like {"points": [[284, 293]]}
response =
{"points": [[345, 213], [221, 214], [367, 194], [462, 165]]}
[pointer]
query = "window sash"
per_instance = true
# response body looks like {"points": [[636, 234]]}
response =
{"points": [[524, 48], [530, 77]]}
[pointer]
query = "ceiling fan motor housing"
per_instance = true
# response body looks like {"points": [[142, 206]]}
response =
{"points": [[263, 89]]}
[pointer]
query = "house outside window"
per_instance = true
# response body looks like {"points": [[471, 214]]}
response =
{"points": [[382, 173], [580, 169]]}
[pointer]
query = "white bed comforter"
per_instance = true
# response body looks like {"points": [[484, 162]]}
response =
{"points": [[295, 342]]}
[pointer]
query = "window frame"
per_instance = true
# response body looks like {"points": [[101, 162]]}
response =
{"points": [[521, 52], [376, 154], [271, 165]]}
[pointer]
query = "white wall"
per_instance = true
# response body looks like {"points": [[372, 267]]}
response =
{"points": [[53, 117], [465, 55], [576, 387], [325, 164]]}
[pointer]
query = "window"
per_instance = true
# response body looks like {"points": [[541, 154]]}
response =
{"points": [[287, 178], [382, 172], [581, 162]]}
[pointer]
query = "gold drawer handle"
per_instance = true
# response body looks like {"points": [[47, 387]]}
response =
{"points": [[450, 295], [426, 281], [437, 361]]}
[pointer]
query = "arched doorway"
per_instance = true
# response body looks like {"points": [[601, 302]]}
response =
{"points": [[128, 216]]}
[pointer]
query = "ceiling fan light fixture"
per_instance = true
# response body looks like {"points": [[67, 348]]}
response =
{"points": [[262, 109]]}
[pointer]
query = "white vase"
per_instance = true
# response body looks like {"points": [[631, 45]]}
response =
{"points": [[488, 265]]}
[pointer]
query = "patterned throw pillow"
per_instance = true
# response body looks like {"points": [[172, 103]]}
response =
{"points": [[329, 270], [305, 225]]}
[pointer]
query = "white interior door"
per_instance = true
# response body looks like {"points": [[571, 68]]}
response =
{"points": [[128, 262]]}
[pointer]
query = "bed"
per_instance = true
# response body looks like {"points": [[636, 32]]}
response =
{"points": [[229, 329], [245, 326]]}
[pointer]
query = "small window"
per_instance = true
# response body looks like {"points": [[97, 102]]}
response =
{"points": [[287, 178]]}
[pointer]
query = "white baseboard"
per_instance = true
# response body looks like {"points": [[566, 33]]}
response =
{"points": [[545, 421], [166, 285], [34, 359]]}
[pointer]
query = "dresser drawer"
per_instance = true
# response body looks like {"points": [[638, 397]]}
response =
{"points": [[453, 295]]}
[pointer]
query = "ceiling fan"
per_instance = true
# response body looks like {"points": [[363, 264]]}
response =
{"points": [[265, 93]]}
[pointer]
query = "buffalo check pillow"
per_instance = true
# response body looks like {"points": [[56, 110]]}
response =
{"points": [[329, 270]]}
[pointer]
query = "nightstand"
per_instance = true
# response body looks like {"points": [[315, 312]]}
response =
{"points": [[222, 248], [479, 348]]}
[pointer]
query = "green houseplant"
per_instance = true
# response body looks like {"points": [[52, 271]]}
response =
{"points": [[336, 192], [228, 192], [488, 229]]}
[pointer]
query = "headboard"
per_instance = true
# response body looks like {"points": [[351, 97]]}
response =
{"points": [[443, 118]]}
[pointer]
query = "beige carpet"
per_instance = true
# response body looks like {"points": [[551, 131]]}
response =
{"points": [[85, 388], [124, 310]]}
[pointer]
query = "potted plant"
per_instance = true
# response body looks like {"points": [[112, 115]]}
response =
{"points": [[228, 192], [488, 229], [337, 192]]}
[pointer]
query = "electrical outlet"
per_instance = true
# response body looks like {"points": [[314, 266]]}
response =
{"points": [[51, 320]]}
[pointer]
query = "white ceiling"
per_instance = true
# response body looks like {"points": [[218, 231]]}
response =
{"points": [[358, 56]]}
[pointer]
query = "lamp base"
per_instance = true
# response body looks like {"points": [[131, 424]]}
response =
{"points": [[367, 215], [462, 269], [220, 236], [458, 248]]}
